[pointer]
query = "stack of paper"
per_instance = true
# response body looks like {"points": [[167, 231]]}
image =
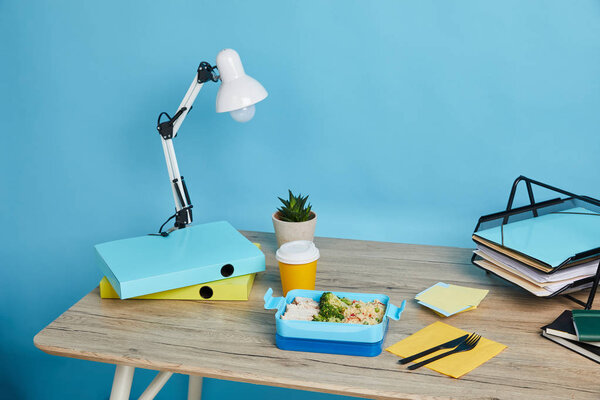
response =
{"points": [[448, 299], [538, 253]]}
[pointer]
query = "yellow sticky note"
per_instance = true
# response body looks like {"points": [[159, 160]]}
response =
{"points": [[451, 299], [455, 365]]}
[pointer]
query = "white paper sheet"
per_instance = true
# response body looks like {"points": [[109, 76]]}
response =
{"points": [[572, 273]]}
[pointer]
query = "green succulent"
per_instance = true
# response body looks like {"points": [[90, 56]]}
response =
{"points": [[295, 209]]}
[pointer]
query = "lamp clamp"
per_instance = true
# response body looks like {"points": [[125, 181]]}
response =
{"points": [[165, 128], [206, 73]]}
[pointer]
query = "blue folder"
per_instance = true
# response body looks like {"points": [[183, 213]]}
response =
{"points": [[552, 239], [189, 256]]}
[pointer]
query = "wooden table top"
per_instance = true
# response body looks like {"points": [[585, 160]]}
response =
{"points": [[236, 340]]}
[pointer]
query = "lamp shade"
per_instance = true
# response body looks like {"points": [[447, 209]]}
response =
{"points": [[238, 90]]}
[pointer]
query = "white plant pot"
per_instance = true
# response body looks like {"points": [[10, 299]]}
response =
{"points": [[290, 231]]}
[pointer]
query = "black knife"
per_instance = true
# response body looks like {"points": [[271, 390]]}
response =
{"points": [[447, 345]]}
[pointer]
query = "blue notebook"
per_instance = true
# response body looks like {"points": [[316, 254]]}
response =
{"points": [[189, 256], [552, 239]]}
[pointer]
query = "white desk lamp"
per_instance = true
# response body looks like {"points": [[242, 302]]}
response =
{"points": [[237, 95], [203, 253]]}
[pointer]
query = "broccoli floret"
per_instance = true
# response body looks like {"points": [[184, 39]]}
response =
{"points": [[321, 318], [330, 298], [331, 308], [346, 300], [326, 297]]}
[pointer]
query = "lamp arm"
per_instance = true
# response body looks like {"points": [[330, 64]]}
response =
{"points": [[168, 130]]}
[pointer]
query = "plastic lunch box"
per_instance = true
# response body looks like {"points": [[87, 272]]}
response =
{"points": [[330, 337]]}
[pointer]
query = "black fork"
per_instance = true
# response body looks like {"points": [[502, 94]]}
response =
{"points": [[467, 345]]}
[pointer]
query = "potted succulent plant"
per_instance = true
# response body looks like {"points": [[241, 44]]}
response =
{"points": [[295, 220]]}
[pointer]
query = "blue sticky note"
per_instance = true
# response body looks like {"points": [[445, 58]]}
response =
{"points": [[439, 310], [196, 254]]}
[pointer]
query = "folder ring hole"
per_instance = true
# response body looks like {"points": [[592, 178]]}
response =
{"points": [[227, 270], [206, 292]]}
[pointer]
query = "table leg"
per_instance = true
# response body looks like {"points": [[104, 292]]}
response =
{"points": [[195, 388], [154, 387], [122, 382]]}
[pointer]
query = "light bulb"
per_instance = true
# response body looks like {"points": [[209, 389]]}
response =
{"points": [[243, 114]]}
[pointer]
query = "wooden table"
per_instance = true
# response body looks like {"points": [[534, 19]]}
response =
{"points": [[236, 340]]}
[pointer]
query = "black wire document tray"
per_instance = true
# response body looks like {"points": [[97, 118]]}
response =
{"points": [[577, 272]]}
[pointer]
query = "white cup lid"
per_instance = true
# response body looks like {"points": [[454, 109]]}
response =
{"points": [[297, 252]]}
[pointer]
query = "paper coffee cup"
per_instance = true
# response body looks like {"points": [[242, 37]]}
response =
{"points": [[297, 265]]}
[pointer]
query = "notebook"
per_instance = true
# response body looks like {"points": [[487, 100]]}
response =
{"points": [[587, 325], [547, 242], [586, 350], [563, 327]]}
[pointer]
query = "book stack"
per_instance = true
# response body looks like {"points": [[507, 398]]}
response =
{"points": [[546, 255], [204, 262], [577, 330]]}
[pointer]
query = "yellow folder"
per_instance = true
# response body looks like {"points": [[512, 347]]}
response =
{"points": [[237, 288]]}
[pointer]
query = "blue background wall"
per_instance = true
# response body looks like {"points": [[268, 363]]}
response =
{"points": [[403, 120]]}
